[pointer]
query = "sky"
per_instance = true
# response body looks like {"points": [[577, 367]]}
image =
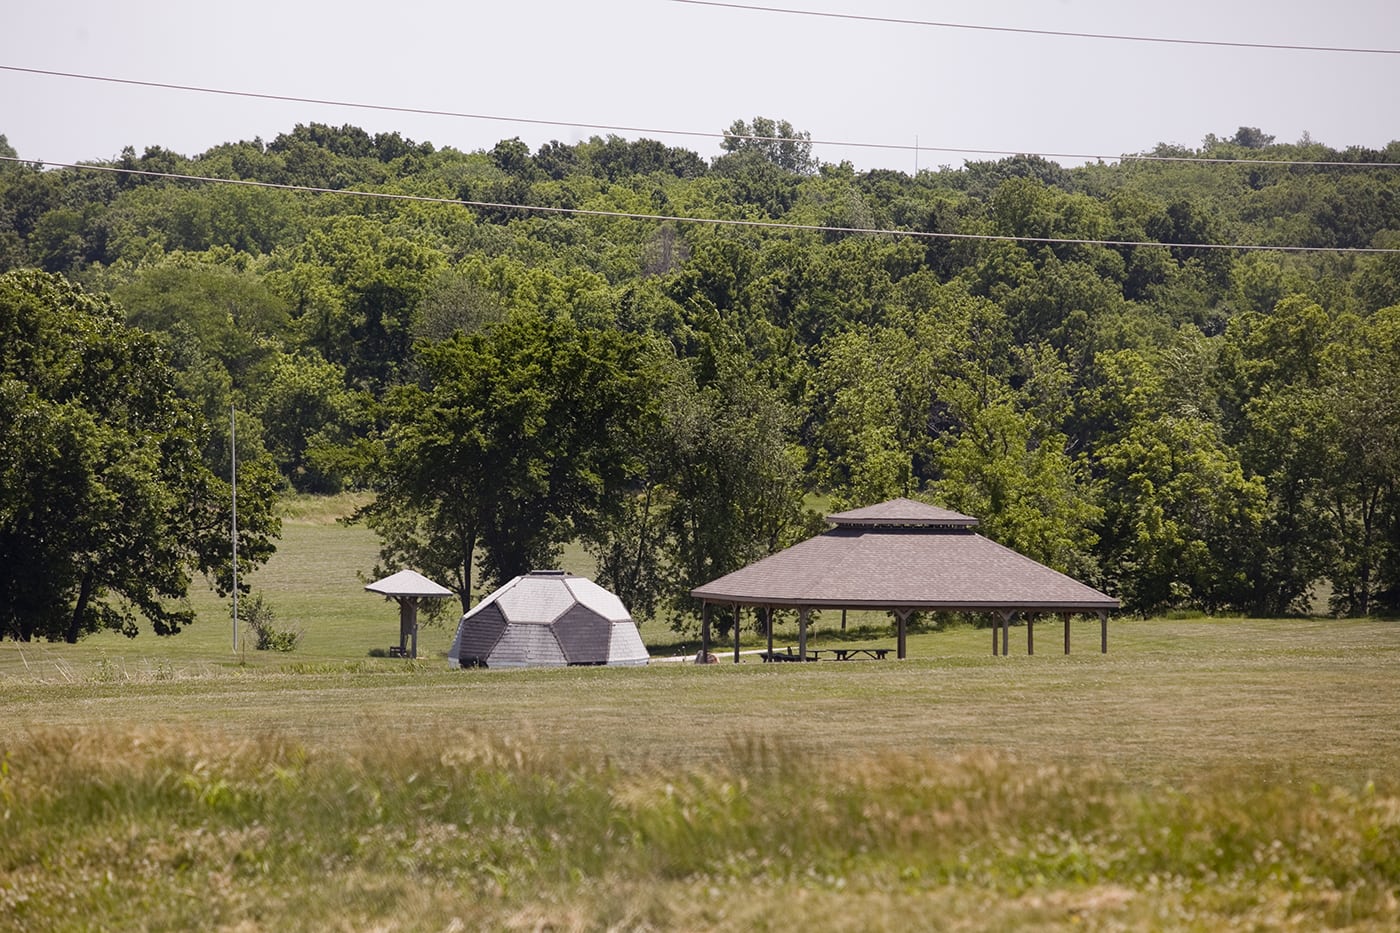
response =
{"points": [[677, 71]]}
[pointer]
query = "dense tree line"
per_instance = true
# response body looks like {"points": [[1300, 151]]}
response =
{"points": [[1183, 425]]}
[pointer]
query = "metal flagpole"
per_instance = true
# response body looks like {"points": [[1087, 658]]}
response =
{"points": [[233, 473]]}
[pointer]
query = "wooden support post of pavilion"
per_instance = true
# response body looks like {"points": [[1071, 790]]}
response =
{"points": [[704, 633], [1103, 625], [736, 632], [1065, 616], [1030, 634], [902, 621], [802, 613]]}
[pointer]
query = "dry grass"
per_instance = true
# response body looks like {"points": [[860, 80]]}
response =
{"points": [[159, 828]]}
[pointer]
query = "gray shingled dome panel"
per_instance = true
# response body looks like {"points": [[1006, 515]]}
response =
{"points": [[598, 599], [584, 635], [535, 599], [527, 644], [625, 644], [477, 634]]}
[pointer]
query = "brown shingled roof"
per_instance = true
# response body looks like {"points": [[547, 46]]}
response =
{"points": [[904, 555]]}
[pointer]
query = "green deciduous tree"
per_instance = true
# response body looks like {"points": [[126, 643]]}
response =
{"points": [[1013, 472], [776, 140], [231, 314], [353, 288], [1181, 520], [513, 441], [105, 506], [720, 481], [871, 396], [307, 414], [1359, 410]]}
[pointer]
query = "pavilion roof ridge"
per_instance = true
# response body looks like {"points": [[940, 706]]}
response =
{"points": [[903, 511]]}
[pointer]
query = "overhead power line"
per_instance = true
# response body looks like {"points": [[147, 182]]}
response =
{"points": [[711, 221], [1058, 33], [698, 134]]}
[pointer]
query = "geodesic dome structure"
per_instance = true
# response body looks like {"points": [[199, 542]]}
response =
{"points": [[547, 618]]}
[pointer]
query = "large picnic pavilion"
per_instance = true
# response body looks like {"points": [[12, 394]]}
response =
{"points": [[904, 556]]}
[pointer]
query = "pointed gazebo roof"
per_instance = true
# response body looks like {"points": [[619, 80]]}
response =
{"points": [[904, 556], [407, 583]]}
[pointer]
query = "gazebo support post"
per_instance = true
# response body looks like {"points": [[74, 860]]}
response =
{"points": [[736, 632], [901, 623], [704, 632], [1006, 634], [408, 626], [1030, 634], [1103, 627], [996, 633], [1065, 616], [802, 613], [768, 624], [843, 620]]}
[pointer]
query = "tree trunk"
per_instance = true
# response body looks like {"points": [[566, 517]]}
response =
{"points": [[75, 622], [641, 540], [1368, 517]]}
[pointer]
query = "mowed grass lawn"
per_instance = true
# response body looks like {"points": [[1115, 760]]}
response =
{"points": [[1204, 774]]}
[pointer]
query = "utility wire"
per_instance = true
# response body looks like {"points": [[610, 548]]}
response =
{"points": [[711, 221], [1041, 32], [618, 128]]}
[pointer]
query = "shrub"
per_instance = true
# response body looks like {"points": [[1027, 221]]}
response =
{"points": [[262, 622]]}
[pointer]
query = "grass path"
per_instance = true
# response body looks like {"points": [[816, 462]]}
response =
{"points": [[1314, 697]]}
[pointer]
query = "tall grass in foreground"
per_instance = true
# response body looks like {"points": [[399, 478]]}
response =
{"points": [[171, 829]]}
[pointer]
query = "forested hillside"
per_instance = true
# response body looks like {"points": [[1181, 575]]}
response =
{"points": [[661, 354]]}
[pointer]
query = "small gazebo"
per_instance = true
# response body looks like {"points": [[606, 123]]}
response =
{"points": [[904, 556], [407, 588]]}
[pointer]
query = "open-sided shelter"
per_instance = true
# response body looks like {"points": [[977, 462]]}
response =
{"points": [[408, 588], [904, 556], [547, 618]]}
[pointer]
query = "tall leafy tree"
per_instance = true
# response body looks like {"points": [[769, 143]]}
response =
{"points": [[778, 141], [1005, 466], [1360, 411], [1181, 520], [1275, 413], [720, 484], [512, 442], [307, 414], [872, 397], [106, 508]]}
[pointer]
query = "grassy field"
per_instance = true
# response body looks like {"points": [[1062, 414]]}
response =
{"points": [[1205, 774]]}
